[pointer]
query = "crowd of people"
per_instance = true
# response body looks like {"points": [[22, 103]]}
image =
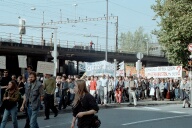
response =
{"points": [[107, 89], [29, 92]]}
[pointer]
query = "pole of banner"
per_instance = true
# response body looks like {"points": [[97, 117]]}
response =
{"points": [[190, 82], [138, 67]]}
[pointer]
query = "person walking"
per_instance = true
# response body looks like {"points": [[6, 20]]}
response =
{"points": [[49, 87], [103, 88], [64, 92], [10, 99], [186, 92], [98, 92], [132, 88], [93, 85], [4, 82], [34, 94], [111, 96], [161, 88], [84, 106]]}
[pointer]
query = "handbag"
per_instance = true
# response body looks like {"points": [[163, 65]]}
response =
{"points": [[168, 95], [96, 122]]}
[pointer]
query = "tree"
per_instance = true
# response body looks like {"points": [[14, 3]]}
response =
{"points": [[175, 31], [134, 42]]}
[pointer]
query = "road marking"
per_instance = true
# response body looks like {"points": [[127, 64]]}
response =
{"points": [[48, 126], [151, 108], [158, 119], [177, 112]]}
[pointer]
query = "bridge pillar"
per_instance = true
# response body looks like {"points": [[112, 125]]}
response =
{"points": [[29, 60], [61, 66], [46, 58]]}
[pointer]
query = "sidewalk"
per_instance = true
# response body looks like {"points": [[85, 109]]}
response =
{"points": [[146, 102]]}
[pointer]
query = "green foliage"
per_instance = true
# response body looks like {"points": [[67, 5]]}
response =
{"points": [[134, 42], [175, 28]]}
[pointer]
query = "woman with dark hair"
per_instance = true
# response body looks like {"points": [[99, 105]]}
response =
{"points": [[119, 90], [10, 100], [21, 88], [84, 106]]}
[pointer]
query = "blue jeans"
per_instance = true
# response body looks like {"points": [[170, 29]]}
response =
{"points": [[33, 116], [6, 114], [177, 96]]}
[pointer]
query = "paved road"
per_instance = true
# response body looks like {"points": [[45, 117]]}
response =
{"points": [[163, 116]]}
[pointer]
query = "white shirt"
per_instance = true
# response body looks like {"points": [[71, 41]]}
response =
{"points": [[104, 82]]}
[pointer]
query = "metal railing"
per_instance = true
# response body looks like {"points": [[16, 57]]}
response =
{"points": [[16, 38]]}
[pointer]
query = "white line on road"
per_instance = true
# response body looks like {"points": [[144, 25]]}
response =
{"points": [[158, 119], [151, 108], [177, 112], [48, 126]]}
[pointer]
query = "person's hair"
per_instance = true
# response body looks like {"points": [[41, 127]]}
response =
{"points": [[30, 67], [89, 78], [77, 76], [6, 70], [14, 76], [82, 89], [20, 78], [130, 77], [14, 87], [33, 73], [65, 77]]}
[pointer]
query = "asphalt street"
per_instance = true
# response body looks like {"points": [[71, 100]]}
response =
{"points": [[162, 116]]}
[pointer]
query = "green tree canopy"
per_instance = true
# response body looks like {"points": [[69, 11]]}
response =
{"points": [[175, 28], [134, 42]]}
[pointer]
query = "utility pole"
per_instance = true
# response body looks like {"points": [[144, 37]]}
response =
{"points": [[116, 35], [106, 50], [55, 52], [60, 15], [42, 38]]}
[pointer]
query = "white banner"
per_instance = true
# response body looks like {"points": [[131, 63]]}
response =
{"points": [[99, 68], [164, 72], [120, 73], [2, 62], [45, 67], [22, 61]]}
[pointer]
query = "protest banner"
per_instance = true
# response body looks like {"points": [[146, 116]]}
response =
{"points": [[22, 61], [2, 62], [45, 67], [164, 72], [99, 68]]}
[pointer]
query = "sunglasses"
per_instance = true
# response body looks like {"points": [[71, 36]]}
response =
{"points": [[5, 72]]}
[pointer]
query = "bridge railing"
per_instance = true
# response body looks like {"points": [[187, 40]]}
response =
{"points": [[15, 38]]}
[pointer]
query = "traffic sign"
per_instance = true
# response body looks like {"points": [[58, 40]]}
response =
{"points": [[139, 55], [190, 47]]}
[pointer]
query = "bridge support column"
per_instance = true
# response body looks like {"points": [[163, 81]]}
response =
{"points": [[46, 59], [61, 66], [29, 60]]}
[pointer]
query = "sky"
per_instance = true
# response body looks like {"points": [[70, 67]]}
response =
{"points": [[132, 14]]}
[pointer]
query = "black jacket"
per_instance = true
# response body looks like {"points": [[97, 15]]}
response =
{"points": [[86, 103]]}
